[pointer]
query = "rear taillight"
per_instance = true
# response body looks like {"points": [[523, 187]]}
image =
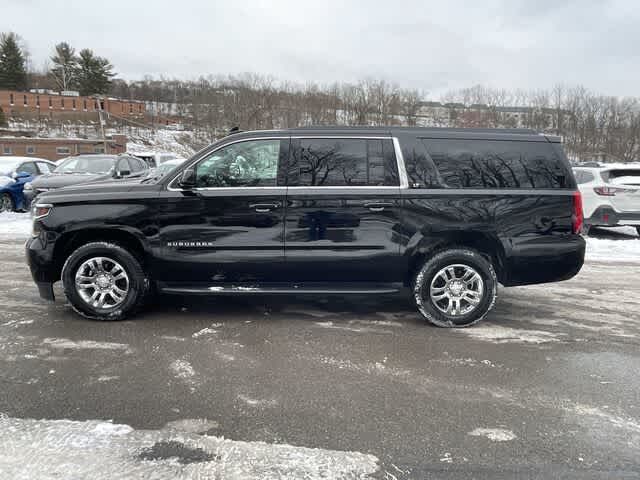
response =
{"points": [[608, 191], [577, 217]]}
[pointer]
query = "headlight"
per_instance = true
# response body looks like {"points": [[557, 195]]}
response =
{"points": [[41, 210], [27, 186]]}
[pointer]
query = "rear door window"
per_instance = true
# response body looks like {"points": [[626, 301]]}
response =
{"points": [[340, 162], [497, 164], [44, 167]]}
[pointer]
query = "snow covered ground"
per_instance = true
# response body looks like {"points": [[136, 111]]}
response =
{"points": [[625, 248], [51, 449], [14, 225]]}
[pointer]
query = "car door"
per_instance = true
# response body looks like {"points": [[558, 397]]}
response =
{"points": [[229, 228], [342, 215]]}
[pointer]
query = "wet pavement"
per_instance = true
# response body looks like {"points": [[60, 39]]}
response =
{"points": [[546, 387]]}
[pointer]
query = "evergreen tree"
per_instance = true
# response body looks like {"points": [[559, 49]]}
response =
{"points": [[3, 121], [94, 73], [65, 66], [13, 72]]}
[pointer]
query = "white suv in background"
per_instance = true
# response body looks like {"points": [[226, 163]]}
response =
{"points": [[610, 195]]}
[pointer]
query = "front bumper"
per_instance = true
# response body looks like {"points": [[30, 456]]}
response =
{"points": [[41, 263]]}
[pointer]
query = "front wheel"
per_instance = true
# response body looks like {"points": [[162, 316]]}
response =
{"points": [[455, 288], [638, 230], [103, 281]]}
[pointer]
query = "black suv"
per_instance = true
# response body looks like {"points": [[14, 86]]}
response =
{"points": [[448, 213]]}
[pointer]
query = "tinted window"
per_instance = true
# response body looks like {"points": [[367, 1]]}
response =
{"points": [[497, 164], [44, 167], [623, 175], [28, 167], [343, 162], [245, 164]]}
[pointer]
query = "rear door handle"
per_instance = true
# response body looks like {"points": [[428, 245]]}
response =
{"points": [[377, 206], [264, 207]]}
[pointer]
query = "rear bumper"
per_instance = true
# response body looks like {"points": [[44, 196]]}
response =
{"points": [[546, 259], [608, 217]]}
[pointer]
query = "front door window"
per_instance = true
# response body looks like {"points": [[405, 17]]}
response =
{"points": [[245, 164]]}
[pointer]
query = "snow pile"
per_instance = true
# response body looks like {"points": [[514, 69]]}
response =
{"points": [[178, 142], [15, 225], [52, 449], [599, 249]]}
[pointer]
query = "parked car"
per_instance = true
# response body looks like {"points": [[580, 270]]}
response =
{"points": [[81, 169], [448, 213], [610, 195], [155, 159], [15, 172], [167, 167]]}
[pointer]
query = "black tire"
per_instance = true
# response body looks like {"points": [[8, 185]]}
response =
{"points": [[6, 203], [455, 256], [638, 230], [138, 283], [585, 229]]}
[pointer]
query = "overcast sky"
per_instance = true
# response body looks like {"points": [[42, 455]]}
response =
{"points": [[433, 46]]}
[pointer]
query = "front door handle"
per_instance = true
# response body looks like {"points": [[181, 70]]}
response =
{"points": [[264, 207], [377, 206]]}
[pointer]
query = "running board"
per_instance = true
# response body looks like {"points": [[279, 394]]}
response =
{"points": [[317, 289]]}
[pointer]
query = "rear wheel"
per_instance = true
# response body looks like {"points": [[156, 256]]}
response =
{"points": [[455, 288], [103, 281], [638, 230], [6, 203]]}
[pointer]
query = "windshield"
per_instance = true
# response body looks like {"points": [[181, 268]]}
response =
{"points": [[90, 165], [7, 166]]}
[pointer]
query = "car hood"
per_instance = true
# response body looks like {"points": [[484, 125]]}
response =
{"points": [[99, 191], [6, 181], [57, 180]]}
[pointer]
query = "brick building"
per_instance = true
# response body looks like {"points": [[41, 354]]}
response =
{"points": [[57, 148], [66, 105]]}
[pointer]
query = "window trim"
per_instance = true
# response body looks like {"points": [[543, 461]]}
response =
{"points": [[402, 173]]}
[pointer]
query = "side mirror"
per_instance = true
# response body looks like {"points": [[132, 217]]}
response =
{"points": [[121, 173], [188, 179]]}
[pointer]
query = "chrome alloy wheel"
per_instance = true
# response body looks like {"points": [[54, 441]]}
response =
{"points": [[102, 282], [456, 289]]}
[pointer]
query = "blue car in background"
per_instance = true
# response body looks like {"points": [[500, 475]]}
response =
{"points": [[14, 173]]}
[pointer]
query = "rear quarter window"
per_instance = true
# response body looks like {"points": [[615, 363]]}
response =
{"points": [[498, 164]]}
